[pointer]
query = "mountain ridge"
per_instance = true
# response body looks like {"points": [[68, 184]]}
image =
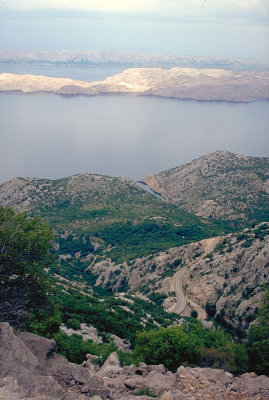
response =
{"points": [[219, 184], [125, 58], [178, 83]]}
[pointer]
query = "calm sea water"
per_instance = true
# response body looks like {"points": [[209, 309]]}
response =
{"points": [[52, 136]]}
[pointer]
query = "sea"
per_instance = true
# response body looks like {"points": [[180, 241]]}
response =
{"points": [[53, 136]]}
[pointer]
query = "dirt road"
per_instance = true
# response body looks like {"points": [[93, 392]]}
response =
{"points": [[209, 245]]}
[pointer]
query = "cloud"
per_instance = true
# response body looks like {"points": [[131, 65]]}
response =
{"points": [[142, 6]]}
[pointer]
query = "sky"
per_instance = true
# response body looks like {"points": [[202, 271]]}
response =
{"points": [[226, 28]]}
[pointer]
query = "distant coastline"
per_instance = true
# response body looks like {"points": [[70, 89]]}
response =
{"points": [[176, 83]]}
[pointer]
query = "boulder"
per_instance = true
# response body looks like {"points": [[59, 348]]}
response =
{"points": [[251, 385], [59, 367], [15, 357], [38, 371], [111, 364]]}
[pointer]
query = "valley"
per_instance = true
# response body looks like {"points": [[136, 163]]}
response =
{"points": [[128, 268], [134, 200]]}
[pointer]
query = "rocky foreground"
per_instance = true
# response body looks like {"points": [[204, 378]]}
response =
{"points": [[30, 369], [179, 83]]}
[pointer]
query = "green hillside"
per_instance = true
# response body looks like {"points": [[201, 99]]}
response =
{"points": [[105, 216]]}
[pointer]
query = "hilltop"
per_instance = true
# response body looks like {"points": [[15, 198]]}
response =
{"points": [[218, 185], [178, 83]]}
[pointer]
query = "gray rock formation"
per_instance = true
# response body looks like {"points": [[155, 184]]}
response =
{"points": [[129, 383], [231, 277], [29, 366], [111, 364], [30, 369]]}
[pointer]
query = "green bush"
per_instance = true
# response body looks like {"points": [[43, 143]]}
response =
{"points": [[194, 314], [193, 345], [144, 392], [73, 323]]}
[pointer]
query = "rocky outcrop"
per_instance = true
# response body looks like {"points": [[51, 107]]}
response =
{"points": [[179, 83], [30, 368], [89, 332], [111, 364], [147, 381], [218, 185]]}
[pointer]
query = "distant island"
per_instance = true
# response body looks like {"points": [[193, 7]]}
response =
{"points": [[127, 59], [178, 83]]}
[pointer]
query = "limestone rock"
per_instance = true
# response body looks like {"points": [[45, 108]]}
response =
{"points": [[31, 361], [111, 364], [30, 369]]}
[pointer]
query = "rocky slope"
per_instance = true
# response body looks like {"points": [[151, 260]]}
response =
{"points": [[30, 368], [229, 278], [82, 206], [110, 57], [218, 185], [179, 83]]}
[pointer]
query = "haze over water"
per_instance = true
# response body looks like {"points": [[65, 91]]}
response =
{"points": [[50, 136]]}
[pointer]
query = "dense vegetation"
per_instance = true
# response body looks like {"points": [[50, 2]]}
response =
{"points": [[26, 291], [30, 300], [258, 338], [127, 221], [191, 344]]}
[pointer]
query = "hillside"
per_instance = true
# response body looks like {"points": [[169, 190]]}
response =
{"points": [[218, 185], [178, 83], [119, 253], [227, 281], [95, 216]]}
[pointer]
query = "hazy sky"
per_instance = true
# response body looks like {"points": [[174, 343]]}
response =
{"points": [[232, 28]]}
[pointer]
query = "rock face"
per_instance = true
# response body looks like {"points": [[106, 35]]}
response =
{"points": [[229, 275], [29, 367], [179, 83], [218, 185]]}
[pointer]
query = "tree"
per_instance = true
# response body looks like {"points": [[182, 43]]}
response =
{"points": [[169, 346], [192, 345], [25, 288], [258, 338]]}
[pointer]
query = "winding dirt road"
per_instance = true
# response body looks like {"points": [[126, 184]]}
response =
{"points": [[209, 245]]}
